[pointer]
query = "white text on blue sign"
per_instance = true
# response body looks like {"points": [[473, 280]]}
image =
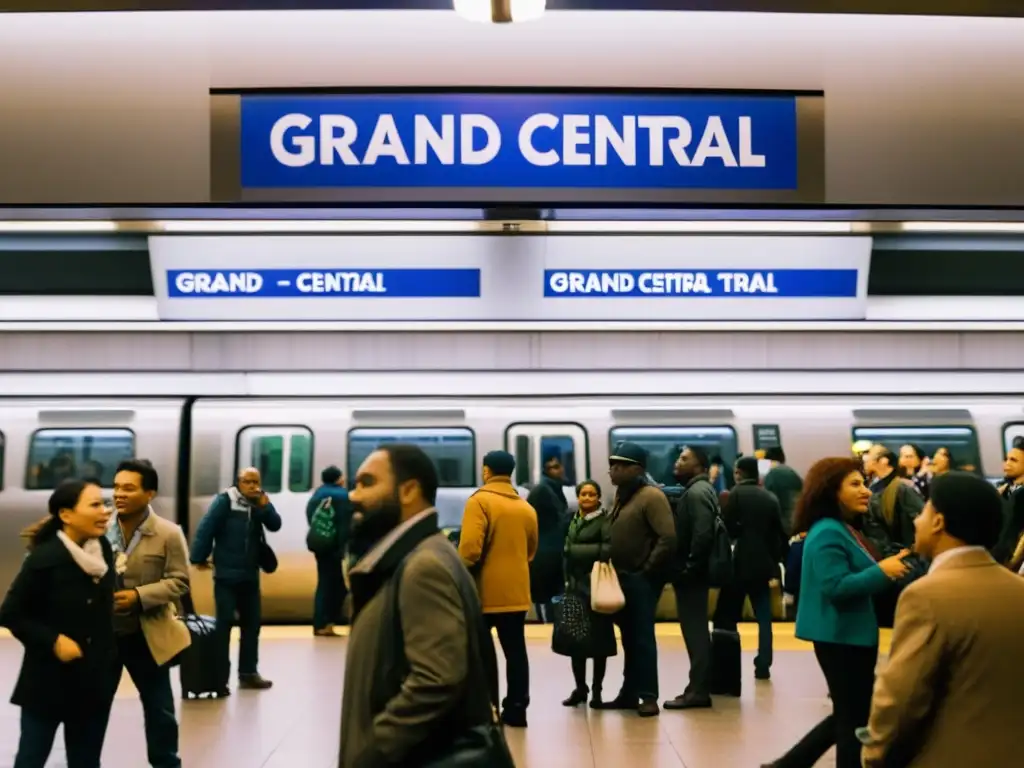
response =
{"points": [[396, 282], [742, 283], [298, 140], [602, 141]]}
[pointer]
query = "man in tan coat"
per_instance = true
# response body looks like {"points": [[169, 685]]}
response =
{"points": [[950, 694], [151, 564], [498, 540]]}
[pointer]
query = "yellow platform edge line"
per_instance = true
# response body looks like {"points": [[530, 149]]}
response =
{"points": [[783, 638]]}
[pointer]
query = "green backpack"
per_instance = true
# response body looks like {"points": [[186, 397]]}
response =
{"points": [[323, 533]]}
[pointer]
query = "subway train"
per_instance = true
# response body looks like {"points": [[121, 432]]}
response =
{"points": [[199, 442]]}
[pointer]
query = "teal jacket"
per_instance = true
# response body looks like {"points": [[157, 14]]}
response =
{"points": [[837, 583]]}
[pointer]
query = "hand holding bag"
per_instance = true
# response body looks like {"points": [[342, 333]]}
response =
{"points": [[571, 633], [606, 595]]}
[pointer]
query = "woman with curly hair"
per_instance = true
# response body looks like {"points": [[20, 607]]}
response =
{"points": [[840, 575]]}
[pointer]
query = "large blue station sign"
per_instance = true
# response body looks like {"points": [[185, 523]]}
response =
{"points": [[670, 141]]}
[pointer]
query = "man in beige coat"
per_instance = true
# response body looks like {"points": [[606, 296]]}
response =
{"points": [[151, 564], [950, 694]]}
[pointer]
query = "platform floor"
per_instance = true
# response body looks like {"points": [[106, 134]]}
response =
{"points": [[296, 723]]}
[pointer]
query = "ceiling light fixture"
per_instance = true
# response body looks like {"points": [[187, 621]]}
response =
{"points": [[500, 11]]}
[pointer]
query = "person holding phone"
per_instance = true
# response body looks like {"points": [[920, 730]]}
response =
{"points": [[841, 573], [59, 607], [233, 531]]}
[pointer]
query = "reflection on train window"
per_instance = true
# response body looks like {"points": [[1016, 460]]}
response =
{"points": [[267, 453], [275, 450], [55, 455], [300, 463], [1013, 436], [664, 444], [563, 448], [962, 442], [452, 450]]}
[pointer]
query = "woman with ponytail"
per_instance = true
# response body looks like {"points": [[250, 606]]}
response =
{"points": [[60, 608]]}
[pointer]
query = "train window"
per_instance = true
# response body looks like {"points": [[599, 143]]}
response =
{"points": [[267, 453], [664, 444], [453, 450], [1013, 436], [59, 454], [300, 463], [962, 442], [536, 444], [275, 450]]}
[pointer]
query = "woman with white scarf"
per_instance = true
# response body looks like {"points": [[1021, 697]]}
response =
{"points": [[60, 608]]}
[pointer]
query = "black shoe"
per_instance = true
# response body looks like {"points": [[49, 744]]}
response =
{"points": [[688, 701], [254, 682], [762, 674], [514, 718], [620, 702], [576, 698], [648, 708], [595, 699]]}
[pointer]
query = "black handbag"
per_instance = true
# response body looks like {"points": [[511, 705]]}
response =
{"points": [[478, 746], [267, 557], [571, 633]]}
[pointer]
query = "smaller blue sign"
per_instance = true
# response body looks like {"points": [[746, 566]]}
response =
{"points": [[717, 283], [319, 283]]}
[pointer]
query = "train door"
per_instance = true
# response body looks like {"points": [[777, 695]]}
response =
{"points": [[284, 457], [533, 444]]}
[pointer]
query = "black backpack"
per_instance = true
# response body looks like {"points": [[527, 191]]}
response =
{"points": [[721, 571]]}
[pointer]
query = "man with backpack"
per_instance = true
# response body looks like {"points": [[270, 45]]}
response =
{"points": [[696, 518], [329, 514], [889, 525]]}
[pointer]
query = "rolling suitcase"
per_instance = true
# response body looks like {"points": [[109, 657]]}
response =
{"points": [[726, 663], [199, 663]]}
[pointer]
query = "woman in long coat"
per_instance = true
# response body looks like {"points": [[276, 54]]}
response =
{"points": [[588, 542], [60, 608]]}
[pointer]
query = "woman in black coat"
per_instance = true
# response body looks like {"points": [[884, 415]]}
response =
{"points": [[588, 542], [60, 607]]}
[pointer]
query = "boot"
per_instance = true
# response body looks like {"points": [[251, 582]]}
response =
{"points": [[620, 702], [577, 697], [254, 682], [595, 698], [648, 708]]}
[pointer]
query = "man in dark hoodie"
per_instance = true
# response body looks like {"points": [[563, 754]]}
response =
{"points": [[330, 586], [695, 516], [783, 481], [548, 499], [643, 540]]}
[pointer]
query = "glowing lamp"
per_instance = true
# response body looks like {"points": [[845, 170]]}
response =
{"points": [[500, 11]]}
